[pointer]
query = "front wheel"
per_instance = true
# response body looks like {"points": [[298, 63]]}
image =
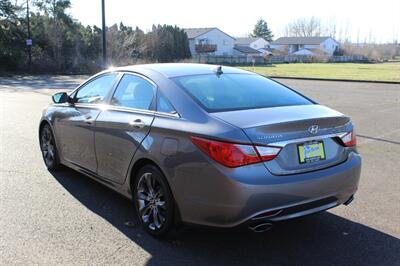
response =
{"points": [[48, 148], [154, 201]]}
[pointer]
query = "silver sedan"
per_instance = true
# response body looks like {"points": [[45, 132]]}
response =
{"points": [[203, 144]]}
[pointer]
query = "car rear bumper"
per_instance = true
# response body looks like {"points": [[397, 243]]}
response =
{"points": [[222, 197]]}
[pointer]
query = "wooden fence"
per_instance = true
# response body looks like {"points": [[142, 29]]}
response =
{"points": [[259, 60]]}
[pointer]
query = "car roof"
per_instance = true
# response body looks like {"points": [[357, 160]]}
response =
{"points": [[171, 70]]}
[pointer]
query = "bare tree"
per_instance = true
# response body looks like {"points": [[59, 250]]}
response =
{"points": [[347, 32], [304, 27], [373, 51], [330, 28]]}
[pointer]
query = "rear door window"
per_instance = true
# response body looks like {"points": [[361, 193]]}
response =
{"points": [[227, 92], [134, 92]]}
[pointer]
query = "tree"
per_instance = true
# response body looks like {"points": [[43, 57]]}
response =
{"points": [[54, 7], [59, 28], [165, 43], [62, 44], [7, 10], [12, 36], [261, 30], [304, 27]]}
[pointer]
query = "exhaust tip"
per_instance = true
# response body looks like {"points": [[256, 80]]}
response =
{"points": [[261, 227]]}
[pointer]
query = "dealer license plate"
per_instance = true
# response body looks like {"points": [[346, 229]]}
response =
{"points": [[311, 152]]}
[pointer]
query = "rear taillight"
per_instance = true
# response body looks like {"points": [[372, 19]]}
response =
{"points": [[349, 139], [268, 153], [235, 155]]}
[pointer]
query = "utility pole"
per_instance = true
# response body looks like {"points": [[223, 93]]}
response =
{"points": [[103, 19], [28, 41]]}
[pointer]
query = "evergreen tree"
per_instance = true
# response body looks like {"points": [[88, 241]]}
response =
{"points": [[261, 30], [12, 36]]}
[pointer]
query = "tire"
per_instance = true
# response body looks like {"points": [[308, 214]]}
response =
{"points": [[48, 148], [153, 201]]}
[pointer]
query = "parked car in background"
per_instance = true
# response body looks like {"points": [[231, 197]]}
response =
{"points": [[203, 144]]}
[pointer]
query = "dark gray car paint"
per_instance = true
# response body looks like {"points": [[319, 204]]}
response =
{"points": [[205, 191], [272, 125], [117, 139]]}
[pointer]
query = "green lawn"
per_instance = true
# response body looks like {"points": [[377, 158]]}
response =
{"points": [[382, 72]]}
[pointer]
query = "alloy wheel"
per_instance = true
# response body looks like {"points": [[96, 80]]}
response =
{"points": [[48, 146], [151, 202]]}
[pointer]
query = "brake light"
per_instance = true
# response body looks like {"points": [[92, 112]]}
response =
{"points": [[235, 155], [268, 153], [349, 140]]}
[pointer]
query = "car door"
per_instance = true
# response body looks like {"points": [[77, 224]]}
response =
{"points": [[121, 128], [75, 124]]}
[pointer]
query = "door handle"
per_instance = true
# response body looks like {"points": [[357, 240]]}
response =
{"points": [[138, 123], [88, 119]]}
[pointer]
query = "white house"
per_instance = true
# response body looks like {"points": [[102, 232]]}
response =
{"points": [[256, 43], [210, 41], [306, 45]]}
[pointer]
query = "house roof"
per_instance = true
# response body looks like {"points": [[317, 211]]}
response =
{"points": [[246, 49], [310, 51], [196, 32], [317, 51], [304, 51], [246, 40], [265, 51], [300, 40]]}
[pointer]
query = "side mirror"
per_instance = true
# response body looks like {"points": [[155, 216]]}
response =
{"points": [[60, 97]]}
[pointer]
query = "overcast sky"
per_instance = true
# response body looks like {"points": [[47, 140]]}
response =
{"points": [[377, 21]]}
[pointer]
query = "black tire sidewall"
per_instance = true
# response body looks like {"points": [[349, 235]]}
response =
{"points": [[54, 166], [169, 224]]}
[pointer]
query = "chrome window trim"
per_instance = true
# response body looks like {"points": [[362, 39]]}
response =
{"points": [[138, 75], [120, 75], [107, 71], [168, 115], [290, 141], [74, 93], [140, 111], [129, 110], [108, 107], [155, 112]]}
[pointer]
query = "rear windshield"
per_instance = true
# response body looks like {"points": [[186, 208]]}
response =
{"points": [[228, 92]]}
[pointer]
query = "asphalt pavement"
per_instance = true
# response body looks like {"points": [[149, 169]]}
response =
{"points": [[66, 218]]}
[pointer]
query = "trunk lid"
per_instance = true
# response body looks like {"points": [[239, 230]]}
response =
{"points": [[287, 127]]}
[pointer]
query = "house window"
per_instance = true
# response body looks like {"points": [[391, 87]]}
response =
{"points": [[225, 42], [203, 41]]}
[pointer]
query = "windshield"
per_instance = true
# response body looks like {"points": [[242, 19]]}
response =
{"points": [[228, 92]]}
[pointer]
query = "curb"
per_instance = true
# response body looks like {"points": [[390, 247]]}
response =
{"points": [[344, 80]]}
